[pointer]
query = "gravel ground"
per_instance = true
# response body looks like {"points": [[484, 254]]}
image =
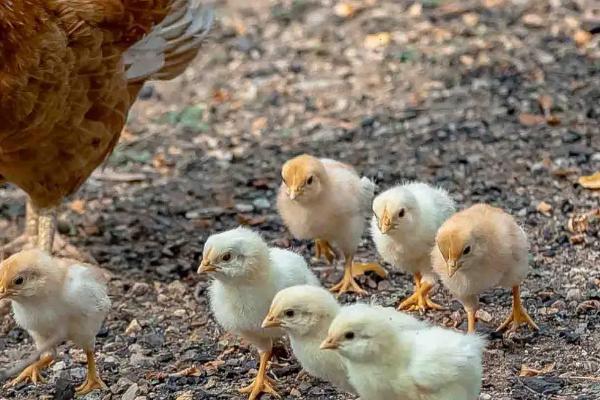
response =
{"points": [[497, 101]]}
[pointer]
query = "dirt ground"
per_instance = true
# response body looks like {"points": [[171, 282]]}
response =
{"points": [[497, 101]]}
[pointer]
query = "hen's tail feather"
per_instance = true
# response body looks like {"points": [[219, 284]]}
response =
{"points": [[171, 46]]}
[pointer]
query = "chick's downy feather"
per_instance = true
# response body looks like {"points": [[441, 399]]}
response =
{"points": [[334, 211], [410, 214], [386, 362], [64, 93], [244, 286]]}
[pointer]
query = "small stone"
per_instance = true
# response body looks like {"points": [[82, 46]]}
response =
{"points": [[140, 289], [131, 393], [161, 298], [574, 294], [180, 313], [133, 328], [58, 366], [261, 203], [244, 208], [485, 396], [139, 360]]}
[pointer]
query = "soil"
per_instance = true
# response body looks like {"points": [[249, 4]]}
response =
{"points": [[497, 101]]}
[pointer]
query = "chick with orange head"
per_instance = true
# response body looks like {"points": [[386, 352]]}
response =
{"points": [[56, 300], [480, 248], [326, 200]]}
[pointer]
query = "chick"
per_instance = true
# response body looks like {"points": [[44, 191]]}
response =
{"points": [[480, 248], [405, 220], [385, 362], [328, 201], [305, 313], [247, 275], [54, 300]]}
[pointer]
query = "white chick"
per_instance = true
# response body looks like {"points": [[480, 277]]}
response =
{"points": [[247, 275], [328, 201], [405, 221], [385, 362], [305, 313], [55, 300], [480, 248]]}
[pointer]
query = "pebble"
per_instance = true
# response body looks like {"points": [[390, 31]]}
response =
{"points": [[180, 313], [140, 360], [244, 208], [574, 294], [131, 393], [485, 396], [133, 328], [140, 288], [261, 203]]}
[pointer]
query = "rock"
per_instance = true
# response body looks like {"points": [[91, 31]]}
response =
{"points": [[261, 203], [180, 313], [133, 328], [485, 396], [574, 294], [65, 390], [58, 366], [131, 393], [139, 360], [244, 208], [140, 289]]}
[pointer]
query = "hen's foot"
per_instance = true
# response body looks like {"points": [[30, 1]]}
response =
{"points": [[324, 249], [518, 316]]}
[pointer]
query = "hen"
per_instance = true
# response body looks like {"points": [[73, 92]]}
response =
{"points": [[69, 72]]}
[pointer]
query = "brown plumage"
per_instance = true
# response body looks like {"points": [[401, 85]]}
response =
{"points": [[65, 89]]}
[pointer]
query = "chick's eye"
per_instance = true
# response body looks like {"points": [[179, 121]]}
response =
{"points": [[309, 181], [289, 313], [467, 250], [349, 335], [401, 212], [226, 257], [19, 281]]}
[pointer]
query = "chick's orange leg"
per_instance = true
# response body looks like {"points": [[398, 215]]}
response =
{"points": [[518, 316], [323, 249], [32, 373], [420, 300], [359, 269], [93, 380], [348, 284], [262, 383]]}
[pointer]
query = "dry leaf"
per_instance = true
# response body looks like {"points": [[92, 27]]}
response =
{"points": [[527, 119], [526, 371], [577, 239], [544, 208], [213, 365], [587, 306], [545, 103], [377, 40], [533, 20], [552, 120], [344, 10], [582, 37], [590, 181], [471, 19], [188, 395], [191, 371], [133, 328], [78, 206], [258, 125], [244, 219]]}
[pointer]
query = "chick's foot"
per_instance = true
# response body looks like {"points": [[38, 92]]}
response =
{"points": [[93, 381], [323, 249], [348, 283], [359, 269], [419, 300], [262, 383], [518, 316], [32, 373]]}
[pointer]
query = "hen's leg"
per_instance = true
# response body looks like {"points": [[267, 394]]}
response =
{"points": [[518, 316], [262, 383], [32, 373], [29, 236], [93, 380], [323, 249], [53, 243], [420, 300]]}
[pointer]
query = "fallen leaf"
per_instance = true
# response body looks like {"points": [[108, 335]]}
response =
{"points": [[258, 125], [78, 206], [577, 239], [133, 328], [526, 371], [582, 37], [587, 306], [377, 40], [552, 120], [221, 95], [527, 119], [563, 172], [590, 181], [544, 208], [191, 371], [188, 395], [545, 102], [344, 10], [213, 365], [244, 219]]}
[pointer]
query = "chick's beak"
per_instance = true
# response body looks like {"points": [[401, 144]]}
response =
{"points": [[329, 344], [453, 266], [271, 321], [293, 193], [206, 267], [385, 223]]}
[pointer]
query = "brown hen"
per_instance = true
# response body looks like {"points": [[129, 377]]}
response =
{"points": [[69, 72]]}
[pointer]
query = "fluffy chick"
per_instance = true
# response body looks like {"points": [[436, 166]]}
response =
{"points": [[480, 248], [328, 201], [56, 299], [405, 221], [247, 275], [386, 362], [305, 313]]}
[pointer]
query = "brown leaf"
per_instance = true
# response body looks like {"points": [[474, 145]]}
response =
{"points": [[587, 306], [527, 119], [590, 181], [545, 103], [78, 206], [377, 40], [552, 120], [544, 208], [213, 365], [258, 125], [187, 395], [191, 371], [577, 239], [244, 219], [526, 371]]}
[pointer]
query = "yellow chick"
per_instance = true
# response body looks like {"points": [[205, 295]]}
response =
{"points": [[327, 201], [480, 248], [55, 300]]}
